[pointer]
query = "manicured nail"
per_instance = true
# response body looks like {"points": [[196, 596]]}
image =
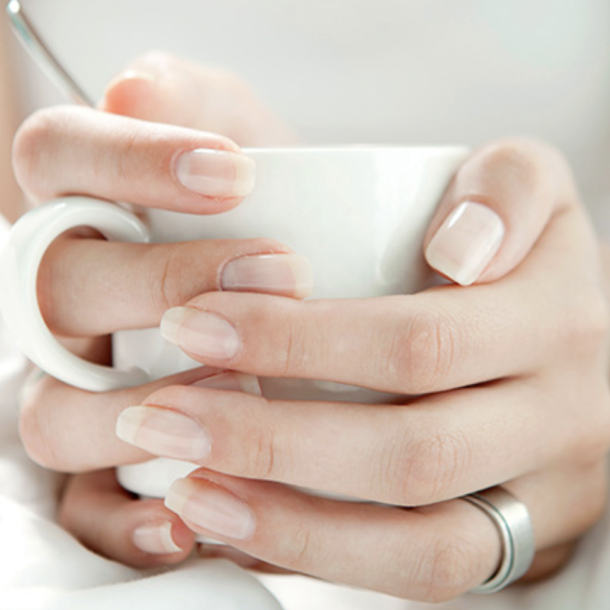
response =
{"points": [[200, 333], [235, 382], [163, 432], [211, 508], [216, 173], [466, 242], [155, 538], [285, 274]]}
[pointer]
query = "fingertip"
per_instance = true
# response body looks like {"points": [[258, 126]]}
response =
{"points": [[132, 93]]}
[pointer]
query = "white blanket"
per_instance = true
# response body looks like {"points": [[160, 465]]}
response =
{"points": [[44, 568]]}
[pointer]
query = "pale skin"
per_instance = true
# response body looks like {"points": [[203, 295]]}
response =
{"points": [[510, 372]]}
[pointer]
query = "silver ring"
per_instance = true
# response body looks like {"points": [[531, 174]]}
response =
{"points": [[512, 520]]}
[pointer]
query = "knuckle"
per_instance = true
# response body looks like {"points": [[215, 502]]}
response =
{"points": [[528, 157], [130, 159], [290, 353], [531, 163], [296, 551], [36, 442], [586, 322], [591, 435], [431, 466], [168, 283], [261, 459], [423, 352], [447, 568], [180, 272]]}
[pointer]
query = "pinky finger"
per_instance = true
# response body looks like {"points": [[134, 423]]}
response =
{"points": [[109, 521]]}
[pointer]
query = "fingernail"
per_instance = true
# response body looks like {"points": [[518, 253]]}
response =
{"points": [[285, 274], [216, 173], [466, 242], [237, 382], [134, 77], [163, 432], [200, 333], [155, 538], [211, 508]]}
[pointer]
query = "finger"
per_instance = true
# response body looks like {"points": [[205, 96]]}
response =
{"points": [[109, 521], [72, 150], [71, 430], [166, 89], [80, 292], [435, 340], [496, 208], [431, 553], [434, 449]]}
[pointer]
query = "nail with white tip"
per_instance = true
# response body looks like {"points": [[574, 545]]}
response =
{"points": [[466, 242], [155, 538]]}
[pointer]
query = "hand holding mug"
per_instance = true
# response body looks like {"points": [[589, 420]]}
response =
{"points": [[510, 373]]}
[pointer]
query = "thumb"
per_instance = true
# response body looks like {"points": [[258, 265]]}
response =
{"points": [[497, 206], [161, 88]]}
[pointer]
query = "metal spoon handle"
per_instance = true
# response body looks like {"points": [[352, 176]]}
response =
{"points": [[41, 54]]}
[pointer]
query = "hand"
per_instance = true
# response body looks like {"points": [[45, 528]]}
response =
{"points": [[88, 288], [523, 350], [504, 382], [161, 88]]}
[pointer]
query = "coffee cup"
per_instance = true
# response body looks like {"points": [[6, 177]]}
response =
{"points": [[357, 213]]}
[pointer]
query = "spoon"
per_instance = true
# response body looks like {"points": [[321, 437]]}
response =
{"points": [[41, 54]]}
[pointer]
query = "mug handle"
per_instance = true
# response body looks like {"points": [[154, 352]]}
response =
{"points": [[26, 245]]}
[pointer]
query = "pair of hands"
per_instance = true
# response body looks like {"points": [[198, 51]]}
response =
{"points": [[504, 381]]}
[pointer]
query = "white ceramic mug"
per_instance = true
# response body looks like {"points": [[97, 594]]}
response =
{"points": [[359, 214]]}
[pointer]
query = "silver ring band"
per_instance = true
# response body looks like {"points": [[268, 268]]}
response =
{"points": [[512, 520]]}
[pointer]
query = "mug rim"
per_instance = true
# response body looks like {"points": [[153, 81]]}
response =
{"points": [[357, 148]]}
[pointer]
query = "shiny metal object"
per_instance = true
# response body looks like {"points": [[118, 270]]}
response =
{"points": [[41, 54], [512, 520]]}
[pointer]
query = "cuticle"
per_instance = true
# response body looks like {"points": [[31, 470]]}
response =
{"points": [[234, 258]]}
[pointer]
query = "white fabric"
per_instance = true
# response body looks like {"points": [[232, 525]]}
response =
{"points": [[422, 71], [398, 71]]}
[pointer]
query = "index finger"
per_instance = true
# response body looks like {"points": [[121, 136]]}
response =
{"points": [[70, 150]]}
